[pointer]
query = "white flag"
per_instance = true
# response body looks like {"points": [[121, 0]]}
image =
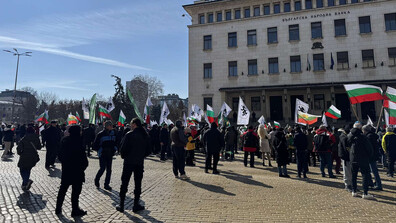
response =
{"points": [[184, 119], [85, 108], [225, 109], [386, 114], [196, 112], [243, 113], [369, 122], [324, 120], [164, 113], [110, 105], [302, 107], [207, 120], [261, 120]]}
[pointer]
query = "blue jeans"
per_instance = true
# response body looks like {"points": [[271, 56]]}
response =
{"points": [[302, 164], [25, 174], [105, 163], [179, 157], [325, 160], [374, 170], [282, 170]]}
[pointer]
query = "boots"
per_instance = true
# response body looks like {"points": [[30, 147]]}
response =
{"points": [[136, 206], [120, 207]]}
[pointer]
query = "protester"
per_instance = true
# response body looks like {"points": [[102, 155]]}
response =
{"points": [[51, 137], [27, 150], [179, 141], [334, 152], [389, 147], [264, 144], [230, 140], [106, 145], [213, 142], [8, 141], [368, 131], [164, 141], [281, 153], [323, 140], [343, 153], [250, 145], [134, 148], [155, 139], [89, 138], [74, 162], [300, 142], [190, 147], [311, 152], [360, 153]]}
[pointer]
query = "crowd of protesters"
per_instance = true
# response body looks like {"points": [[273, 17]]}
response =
{"points": [[354, 148]]}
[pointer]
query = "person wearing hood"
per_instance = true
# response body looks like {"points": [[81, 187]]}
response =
{"points": [[368, 131], [343, 153], [323, 140], [281, 153], [74, 163], [264, 144], [300, 142], [389, 147], [213, 141], [27, 150], [359, 155], [250, 145]]}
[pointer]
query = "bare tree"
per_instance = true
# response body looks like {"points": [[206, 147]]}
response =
{"points": [[47, 97], [155, 86]]}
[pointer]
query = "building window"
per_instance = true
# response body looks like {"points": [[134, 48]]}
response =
{"points": [[316, 30], [273, 65], [365, 24], [247, 13], [219, 17], [251, 37], [342, 60], [208, 42], [208, 101], [235, 104], [272, 35], [276, 8], [330, 3], [368, 58], [294, 32], [237, 14], [266, 10], [252, 67], [202, 19], [228, 15], [255, 103], [319, 3], [210, 18], [318, 62], [318, 101], [286, 7], [354, 1], [339, 27], [390, 21], [207, 70], [343, 2], [297, 6], [232, 68], [295, 64], [308, 4], [232, 39], [256, 11], [392, 56]]}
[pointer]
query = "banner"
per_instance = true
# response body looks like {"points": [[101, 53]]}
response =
{"points": [[92, 110], [243, 113], [135, 108], [300, 107], [164, 114]]}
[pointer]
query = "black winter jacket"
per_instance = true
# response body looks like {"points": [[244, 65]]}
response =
{"points": [[213, 140], [135, 147], [343, 147], [373, 138], [361, 150], [300, 141]]}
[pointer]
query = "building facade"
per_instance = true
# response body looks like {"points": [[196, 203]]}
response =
{"points": [[271, 52], [23, 112]]}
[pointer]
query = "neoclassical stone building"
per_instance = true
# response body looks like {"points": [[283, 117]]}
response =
{"points": [[272, 52]]}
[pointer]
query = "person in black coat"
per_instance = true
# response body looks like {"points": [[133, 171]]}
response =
{"points": [[164, 141], [155, 139], [343, 153], [301, 143], [135, 147], [74, 162], [281, 153], [89, 137], [213, 141], [51, 138], [369, 132]]}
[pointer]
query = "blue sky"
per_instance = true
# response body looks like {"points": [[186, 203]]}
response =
{"points": [[78, 44]]}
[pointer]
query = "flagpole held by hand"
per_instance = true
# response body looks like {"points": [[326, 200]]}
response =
{"points": [[379, 119]]}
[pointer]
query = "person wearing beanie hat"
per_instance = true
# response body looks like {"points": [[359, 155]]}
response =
{"points": [[389, 147]]}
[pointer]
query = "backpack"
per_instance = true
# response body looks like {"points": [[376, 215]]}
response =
{"points": [[322, 143]]}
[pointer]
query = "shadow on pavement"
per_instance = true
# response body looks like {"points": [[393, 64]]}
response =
{"points": [[211, 188], [144, 214], [31, 202], [243, 179]]}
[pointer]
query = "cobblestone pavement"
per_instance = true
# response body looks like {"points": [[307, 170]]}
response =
{"points": [[238, 194]]}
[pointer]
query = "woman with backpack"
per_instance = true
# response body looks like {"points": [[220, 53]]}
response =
{"points": [[264, 144], [250, 145]]}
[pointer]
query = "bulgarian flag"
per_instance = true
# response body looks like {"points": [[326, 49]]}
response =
{"points": [[191, 121], [43, 117], [210, 113], [392, 113], [359, 93], [146, 113], [277, 125], [78, 117], [72, 120], [121, 119], [390, 94], [307, 119], [103, 112], [333, 113]]}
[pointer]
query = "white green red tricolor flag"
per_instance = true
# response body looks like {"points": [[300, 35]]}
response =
{"points": [[43, 117], [72, 120], [333, 112], [78, 117], [307, 119], [103, 112], [390, 94], [121, 119], [392, 113], [277, 125], [210, 113], [146, 114], [359, 93]]}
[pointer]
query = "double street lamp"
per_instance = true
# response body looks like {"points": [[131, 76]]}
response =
{"points": [[16, 53]]}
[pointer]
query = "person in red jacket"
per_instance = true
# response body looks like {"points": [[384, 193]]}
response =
{"points": [[250, 145], [323, 141]]}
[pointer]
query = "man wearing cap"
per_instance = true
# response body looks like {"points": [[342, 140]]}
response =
{"points": [[106, 145], [51, 138], [389, 147]]}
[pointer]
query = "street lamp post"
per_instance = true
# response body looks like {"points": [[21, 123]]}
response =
{"points": [[16, 53]]}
